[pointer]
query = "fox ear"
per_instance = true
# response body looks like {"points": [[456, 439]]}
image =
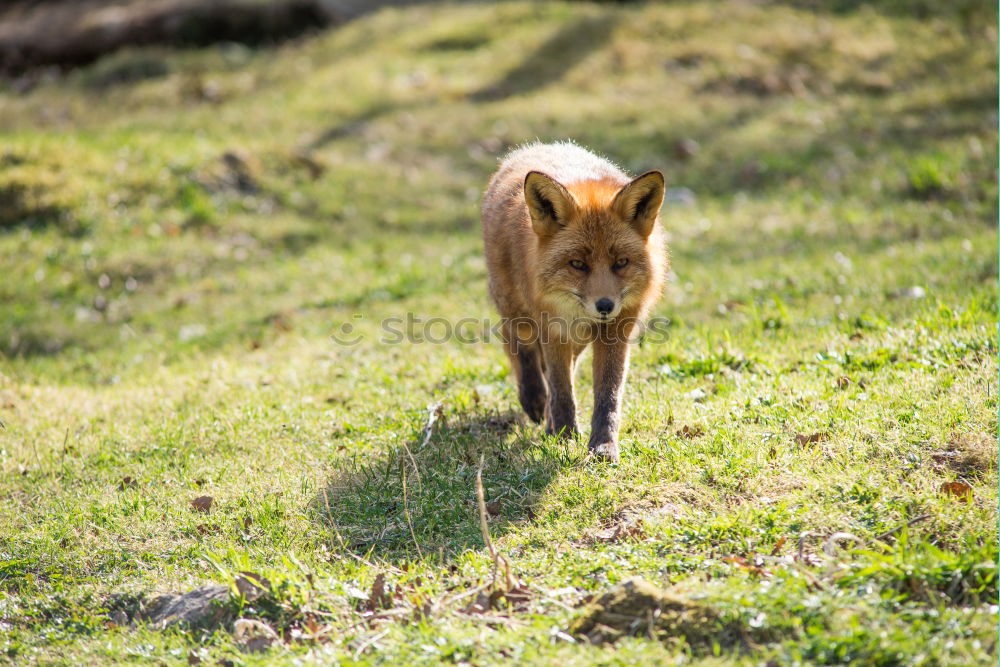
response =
{"points": [[550, 204], [639, 202]]}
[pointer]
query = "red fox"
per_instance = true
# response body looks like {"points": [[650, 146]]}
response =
{"points": [[575, 255]]}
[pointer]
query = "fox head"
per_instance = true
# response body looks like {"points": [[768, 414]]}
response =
{"points": [[599, 248]]}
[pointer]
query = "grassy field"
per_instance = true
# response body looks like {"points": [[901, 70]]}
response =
{"points": [[183, 233]]}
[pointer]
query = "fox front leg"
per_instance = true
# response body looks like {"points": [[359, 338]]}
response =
{"points": [[560, 412], [531, 388], [610, 369]]}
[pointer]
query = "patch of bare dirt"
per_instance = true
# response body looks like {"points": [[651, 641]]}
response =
{"points": [[637, 607], [972, 455]]}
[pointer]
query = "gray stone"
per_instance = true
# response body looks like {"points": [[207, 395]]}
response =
{"points": [[202, 606]]}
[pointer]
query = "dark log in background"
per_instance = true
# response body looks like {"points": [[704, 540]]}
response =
{"points": [[69, 33]]}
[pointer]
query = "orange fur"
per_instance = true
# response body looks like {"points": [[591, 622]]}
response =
{"points": [[572, 243]]}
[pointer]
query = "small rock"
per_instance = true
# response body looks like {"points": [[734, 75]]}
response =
{"points": [[915, 292], [202, 606], [696, 395], [252, 586]]}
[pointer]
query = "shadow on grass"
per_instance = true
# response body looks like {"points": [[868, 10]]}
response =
{"points": [[548, 63], [366, 506], [355, 124]]}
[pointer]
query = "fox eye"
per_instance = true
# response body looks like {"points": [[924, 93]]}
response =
{"points": [[621, 263], [578, 265]]}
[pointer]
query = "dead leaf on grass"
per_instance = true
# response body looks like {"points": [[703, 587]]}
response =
{"points": [[958, 489], [843, 382], [206, 529], [804, 440], [690, 432], [379, 598], [493, 508], [127, 483], [777, 546], [755, 566], [202, 503]]}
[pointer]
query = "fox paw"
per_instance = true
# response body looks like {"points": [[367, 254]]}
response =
{"points": [[605, 451], [535, 409]]}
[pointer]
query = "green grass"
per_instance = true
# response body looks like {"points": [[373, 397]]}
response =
{"points": [[166, 315]]}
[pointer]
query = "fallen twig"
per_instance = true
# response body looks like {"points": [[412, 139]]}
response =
{"points": [[365, 646], [890, 533], [464, 594], [830, 546], [481, 498], [498, 560], [548, 598]]}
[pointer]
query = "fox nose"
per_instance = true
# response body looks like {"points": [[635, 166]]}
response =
{"points": [[604, 306]]}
